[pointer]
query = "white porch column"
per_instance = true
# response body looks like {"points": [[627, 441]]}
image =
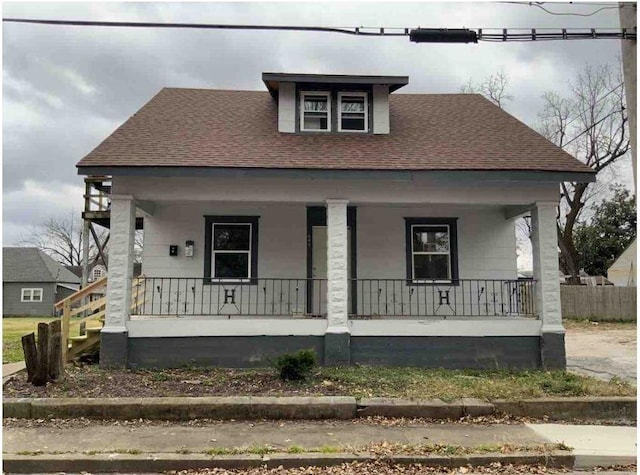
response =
{"points": [[337, 334], [113, 348], [546, 272]]}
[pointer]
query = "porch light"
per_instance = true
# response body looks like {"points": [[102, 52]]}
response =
{"points": [[443, 35]]}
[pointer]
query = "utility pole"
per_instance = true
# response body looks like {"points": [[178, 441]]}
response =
{"points": [[628, 20]]}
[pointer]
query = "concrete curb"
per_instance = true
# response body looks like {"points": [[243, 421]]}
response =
{"points": [[184, 408], [330, 407], [152, 462], [563, 409]]}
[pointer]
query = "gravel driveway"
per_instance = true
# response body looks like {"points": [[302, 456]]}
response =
{"points": [[602, 351]]}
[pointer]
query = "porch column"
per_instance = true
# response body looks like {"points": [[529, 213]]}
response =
{"points": [[546, 272], [337, 335], [113, 342]]}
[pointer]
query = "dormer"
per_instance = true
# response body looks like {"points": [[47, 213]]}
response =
{"points": [[329, 103]]}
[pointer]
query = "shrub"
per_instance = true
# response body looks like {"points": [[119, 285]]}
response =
{"points": [[295, 366]]}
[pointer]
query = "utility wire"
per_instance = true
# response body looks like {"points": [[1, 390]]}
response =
{"points": [[592, 125], [539, 5], [492, 34]]}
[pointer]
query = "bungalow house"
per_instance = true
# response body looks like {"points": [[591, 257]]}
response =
{"points": [[330, 212], [32, 282]]}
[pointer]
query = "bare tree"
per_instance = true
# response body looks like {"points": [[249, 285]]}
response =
{"points": [[590, 124], [61, 238], [494, 88]]}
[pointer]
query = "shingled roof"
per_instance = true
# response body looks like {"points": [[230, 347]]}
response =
{"points": [[30, 264], [238, 129]]}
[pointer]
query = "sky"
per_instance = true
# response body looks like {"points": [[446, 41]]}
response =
{"points": [[65, 89]]}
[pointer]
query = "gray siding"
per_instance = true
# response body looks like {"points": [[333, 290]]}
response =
{"points": [[11, 304], [63, 293]]}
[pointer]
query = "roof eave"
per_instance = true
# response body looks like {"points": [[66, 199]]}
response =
{"points": [[177, 171]]}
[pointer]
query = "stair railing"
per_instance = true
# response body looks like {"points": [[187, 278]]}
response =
{"points": [[72, 306]]}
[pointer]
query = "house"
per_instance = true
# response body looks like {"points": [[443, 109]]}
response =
{"points": [[98, 270], [623, 271], [331, 212], [586, 279], [32, 282]]}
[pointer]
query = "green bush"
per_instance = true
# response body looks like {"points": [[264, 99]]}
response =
{"points": [[295, 366]]}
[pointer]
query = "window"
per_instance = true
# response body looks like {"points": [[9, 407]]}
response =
{"points": [[315, 111], [97, 273], [231, 248], [31, 295], [431, 250], [353, 111]]}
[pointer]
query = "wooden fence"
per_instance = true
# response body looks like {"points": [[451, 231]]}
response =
{"points": [[599, 303]]}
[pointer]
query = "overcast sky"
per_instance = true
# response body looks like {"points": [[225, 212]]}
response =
{"points": [[66, 88]]}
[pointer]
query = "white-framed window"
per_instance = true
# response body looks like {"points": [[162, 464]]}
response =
{"points": [[31, 295], [97, 273], [315, 111], [353, 112]]}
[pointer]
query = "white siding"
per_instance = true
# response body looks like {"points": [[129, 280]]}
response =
{"points": [[486, 241], [287, 107], [424, 189], [281, 240], [380, 109]]}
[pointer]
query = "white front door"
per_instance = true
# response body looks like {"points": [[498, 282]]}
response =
{"points": [[319, 268]]}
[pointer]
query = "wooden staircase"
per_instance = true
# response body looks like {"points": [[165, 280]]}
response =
{"points": [[83, 315]]}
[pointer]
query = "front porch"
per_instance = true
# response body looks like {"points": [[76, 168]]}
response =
{"points": [[394, 281]]}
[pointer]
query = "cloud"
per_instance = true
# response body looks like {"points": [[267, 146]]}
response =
{"points": [[44, 201], [66, 88]]}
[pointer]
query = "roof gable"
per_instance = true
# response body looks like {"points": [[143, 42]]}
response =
{"points": [[238, 129], [30, 264]]}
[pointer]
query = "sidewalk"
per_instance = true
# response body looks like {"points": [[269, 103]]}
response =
{"points": [[611, 445], [10, 369], [593, 445]]}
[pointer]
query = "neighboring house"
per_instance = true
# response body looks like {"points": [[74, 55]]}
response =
{"points": [[623, 271], [586, 279], [32, 282], [98, 270], [329, 213]]}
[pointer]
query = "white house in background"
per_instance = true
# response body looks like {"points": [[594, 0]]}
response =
{"points": [[330, 212], [623, 271]]}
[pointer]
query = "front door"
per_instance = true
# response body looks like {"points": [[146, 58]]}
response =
{"points": [[319, 268]]}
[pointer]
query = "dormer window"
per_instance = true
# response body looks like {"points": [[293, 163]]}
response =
{"points": [[315, 115], [352, 109]]}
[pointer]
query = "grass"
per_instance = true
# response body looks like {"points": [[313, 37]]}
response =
{"points": [[14, 328], [449, 385]]}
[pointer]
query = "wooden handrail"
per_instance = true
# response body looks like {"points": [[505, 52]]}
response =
{"points": [[137, 298], [82, 293]]}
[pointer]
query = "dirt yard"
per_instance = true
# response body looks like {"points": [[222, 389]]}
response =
{"points": [[603, 350]]}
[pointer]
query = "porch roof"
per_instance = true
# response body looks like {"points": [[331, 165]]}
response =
{"points": [[238, 129]]}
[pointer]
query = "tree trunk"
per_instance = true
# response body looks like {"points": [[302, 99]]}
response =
{"points": [[56, 368], [42, 372], [569, 259], [30, 355]]}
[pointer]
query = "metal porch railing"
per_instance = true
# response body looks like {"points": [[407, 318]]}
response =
{"points": [[369, 298]]}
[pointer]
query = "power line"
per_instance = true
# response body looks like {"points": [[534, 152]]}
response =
{"points": [[571, 14], [437, 34], [592, 125], [539, 5]]}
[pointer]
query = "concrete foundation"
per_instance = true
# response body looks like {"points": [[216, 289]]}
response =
{"points": [[552, 351], [113, 349], [338, 349]]}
